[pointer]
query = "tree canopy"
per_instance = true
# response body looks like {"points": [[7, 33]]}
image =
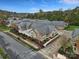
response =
{"points": [[71, 15]]}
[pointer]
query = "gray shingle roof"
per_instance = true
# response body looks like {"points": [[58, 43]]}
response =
{"points": [[43, 28], [24, 25], [75, 33], [58, 23]]}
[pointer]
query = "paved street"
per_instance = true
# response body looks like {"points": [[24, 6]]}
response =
{"points": [[17, 50]]}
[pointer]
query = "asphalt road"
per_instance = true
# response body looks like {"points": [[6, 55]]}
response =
{"points": [[17, 50]]}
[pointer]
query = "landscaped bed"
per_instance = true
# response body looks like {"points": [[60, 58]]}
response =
{"points": [[4, 56], [67, 50]]}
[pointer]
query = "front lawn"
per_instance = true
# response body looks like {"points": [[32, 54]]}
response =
{"points": [[4, 27], [72, 27]]}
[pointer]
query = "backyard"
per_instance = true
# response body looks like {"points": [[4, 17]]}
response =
{"points": [[72, 27]]}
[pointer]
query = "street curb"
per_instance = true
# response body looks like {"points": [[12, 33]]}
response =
{"points": [[25, 41]]}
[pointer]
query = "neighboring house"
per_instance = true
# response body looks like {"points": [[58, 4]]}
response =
{"points": [[11, 21], [2, 21], [59, 24], [75, 41]]}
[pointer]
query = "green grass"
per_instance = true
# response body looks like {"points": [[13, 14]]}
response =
{"points": [[5, 56], [72, 27], [4, 27]]}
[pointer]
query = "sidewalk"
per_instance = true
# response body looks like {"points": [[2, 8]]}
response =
{"points": [[32, 44], [60, 56], [48, 57]]}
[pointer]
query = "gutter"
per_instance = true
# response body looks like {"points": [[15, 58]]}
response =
{"points": [[50, 40]]}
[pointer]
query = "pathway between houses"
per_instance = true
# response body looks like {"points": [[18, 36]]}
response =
{"points": [[54, 46]]}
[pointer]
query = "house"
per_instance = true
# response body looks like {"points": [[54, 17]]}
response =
{"points": [[11, 21], [59, 24], [75, 41], [41, 32]]}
